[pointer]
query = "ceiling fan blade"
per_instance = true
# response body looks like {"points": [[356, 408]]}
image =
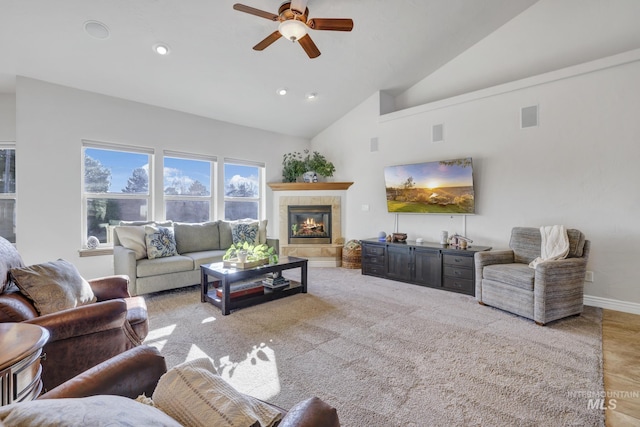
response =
{"points": [[254, 11], [331, 24], [299, 6], [267, 41], [309, 46]]}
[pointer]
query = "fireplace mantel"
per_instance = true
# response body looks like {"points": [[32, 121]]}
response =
{"points": [[309, 186]]}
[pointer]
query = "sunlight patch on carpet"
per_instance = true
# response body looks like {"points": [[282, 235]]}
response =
{"points": [[256, 375]]}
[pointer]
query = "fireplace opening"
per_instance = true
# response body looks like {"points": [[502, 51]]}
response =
{"points": [[309, 224]]}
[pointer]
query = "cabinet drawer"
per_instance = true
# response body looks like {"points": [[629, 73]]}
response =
{"points": [[458, 273], [460, 285], [372, 250], [462, 261], [373, 269]]}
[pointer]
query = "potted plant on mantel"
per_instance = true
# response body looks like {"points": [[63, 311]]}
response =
{"points": [[296, 164]]}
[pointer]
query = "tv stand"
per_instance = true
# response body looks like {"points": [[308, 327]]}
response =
{"points": [[427, 264]]}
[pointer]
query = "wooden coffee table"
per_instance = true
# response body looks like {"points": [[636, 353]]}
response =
{"points": [[225, 276]]}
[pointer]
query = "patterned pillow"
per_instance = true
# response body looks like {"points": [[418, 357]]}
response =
{"points": [[160, 241], [53, 286], [245, 232], [194, 395]]}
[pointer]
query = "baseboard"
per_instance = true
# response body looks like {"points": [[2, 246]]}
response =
{"points": [[612, 304]]}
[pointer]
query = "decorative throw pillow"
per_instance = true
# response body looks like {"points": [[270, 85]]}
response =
{"points": [[245, 232], [133, 237], [53, 286], [99, 411], [194, 395], [160, 241]]}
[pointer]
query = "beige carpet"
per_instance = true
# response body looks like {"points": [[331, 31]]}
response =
{"points": [[386, 353]]}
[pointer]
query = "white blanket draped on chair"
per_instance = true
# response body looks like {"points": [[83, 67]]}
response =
{"points": [[555, 244]]}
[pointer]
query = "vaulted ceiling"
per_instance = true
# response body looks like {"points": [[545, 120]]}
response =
{"points": [[212, 70]]}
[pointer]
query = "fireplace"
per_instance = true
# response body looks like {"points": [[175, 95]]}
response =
{"points": [[309, 224]]}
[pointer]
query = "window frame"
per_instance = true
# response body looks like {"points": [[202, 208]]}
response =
{"points": [[213, 171], [114, 196], [261, 186], [11, 145]]}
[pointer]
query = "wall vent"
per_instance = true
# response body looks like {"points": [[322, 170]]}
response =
{"points": [[529, 117], [437, 133]]}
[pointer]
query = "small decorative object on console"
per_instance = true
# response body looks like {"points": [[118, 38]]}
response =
{"points": [[399, 237], [382, 236]]}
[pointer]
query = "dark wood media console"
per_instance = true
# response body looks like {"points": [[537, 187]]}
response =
{"points": [[426, 264]]}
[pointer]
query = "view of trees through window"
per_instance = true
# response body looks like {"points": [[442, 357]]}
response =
{"points": [[116, 188], [8, 194], [241, 191], [187, 189]]}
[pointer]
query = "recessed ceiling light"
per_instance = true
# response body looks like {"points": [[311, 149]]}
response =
{"points": [[161, 49], [311, 96], [96, 29], [282, 91]]}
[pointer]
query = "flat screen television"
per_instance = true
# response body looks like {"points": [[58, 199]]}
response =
{"points": [[440, 187]]}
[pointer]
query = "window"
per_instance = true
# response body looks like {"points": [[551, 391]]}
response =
{"points": [[8, 192], [115, 187], [242, 190], [187, 187]]}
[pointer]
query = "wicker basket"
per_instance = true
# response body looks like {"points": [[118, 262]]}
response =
{"points": [[352, 254]]}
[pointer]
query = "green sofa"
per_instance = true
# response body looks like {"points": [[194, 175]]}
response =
{"points": [[196, 244]]}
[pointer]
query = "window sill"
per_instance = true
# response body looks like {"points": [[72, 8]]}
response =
{"points": [[95, 252]]}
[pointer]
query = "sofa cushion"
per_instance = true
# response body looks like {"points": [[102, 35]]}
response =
{"points": [[160, 241], [205, 257], [226, 239], [53, 286], [133, 237], [165, 265], [193, 394], [103, 410], [194, 237], [518, 275]]}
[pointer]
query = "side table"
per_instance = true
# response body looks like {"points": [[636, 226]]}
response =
{"points": [[20, 370]]}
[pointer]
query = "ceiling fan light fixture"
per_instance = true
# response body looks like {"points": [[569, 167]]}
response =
{"points": [[292, 29]]}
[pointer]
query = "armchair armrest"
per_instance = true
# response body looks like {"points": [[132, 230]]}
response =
{"points": [[124, 263], [485, 258], [110, 287], [129, 374], [558, 289], [84, 320]]}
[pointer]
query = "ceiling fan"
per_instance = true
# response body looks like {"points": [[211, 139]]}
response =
{"points": [[294, 25]]}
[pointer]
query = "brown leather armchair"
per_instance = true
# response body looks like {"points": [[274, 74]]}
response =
{"points": [[81, 337], [137, 372]]}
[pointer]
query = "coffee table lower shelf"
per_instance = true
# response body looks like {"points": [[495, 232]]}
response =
{"points": [[259, 298], [224, 277]]}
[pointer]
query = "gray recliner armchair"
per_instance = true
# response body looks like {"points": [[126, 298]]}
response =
{"points": [[551, 291]]}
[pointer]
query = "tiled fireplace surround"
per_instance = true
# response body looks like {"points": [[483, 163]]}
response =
{"points": [[319, 255]]}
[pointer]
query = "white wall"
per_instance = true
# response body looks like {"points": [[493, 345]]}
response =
{"points": [[52, 120], [7, 117], [579, 168]]}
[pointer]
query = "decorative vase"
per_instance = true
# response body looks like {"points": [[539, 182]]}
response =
{"points": [[242, 256], [310, 176]]}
